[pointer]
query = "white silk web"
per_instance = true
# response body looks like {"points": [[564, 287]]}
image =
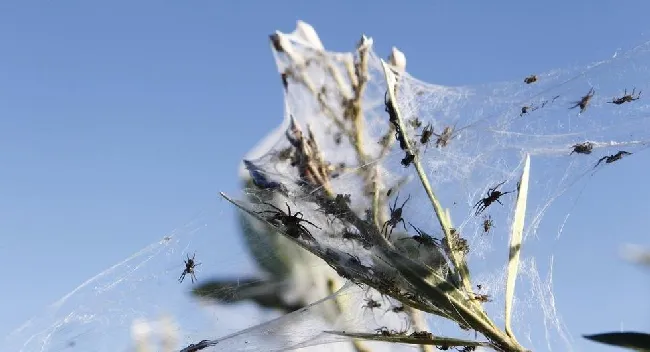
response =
{"points": [[493, 126]]}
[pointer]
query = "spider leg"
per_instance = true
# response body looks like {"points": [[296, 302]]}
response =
{"points": [[306, 233], [180, 279], [499, 185], [499, 200], [394, 203], [600, 161], [193, 277], [310, 223], [481, 207], [407, 199]]}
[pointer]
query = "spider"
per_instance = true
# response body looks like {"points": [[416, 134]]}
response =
{"points": [[194, 347], [371, 304], [488, 224], [190, 265], [408, 159], [612, 158], [493, 195], [422, 238], [383, 331], [482, 298], [444, 137], [422, 335], [415, 122], [395, 216], [584, 101], [291, 222], [582, 148], [530, 79], [626, 98], [427, 132]]}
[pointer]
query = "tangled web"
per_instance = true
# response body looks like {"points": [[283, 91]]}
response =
{"points": [[348, 167]]}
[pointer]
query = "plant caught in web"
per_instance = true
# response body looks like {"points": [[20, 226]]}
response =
{"points": [[424, 195], [385, 212]]}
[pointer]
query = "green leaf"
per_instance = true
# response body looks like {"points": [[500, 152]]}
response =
{"points": [[636, 341]]}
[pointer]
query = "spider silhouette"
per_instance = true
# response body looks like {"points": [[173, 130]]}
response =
{"points": [[395, 216], [612, 158], [626, 98], [493, 195], [190, 265], [291, 222], [584, 101]]}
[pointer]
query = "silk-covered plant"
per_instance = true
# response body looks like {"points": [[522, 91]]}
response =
{"points": [[348, 205]]}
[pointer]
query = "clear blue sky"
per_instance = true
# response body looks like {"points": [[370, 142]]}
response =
{"points": [[120, 120]]}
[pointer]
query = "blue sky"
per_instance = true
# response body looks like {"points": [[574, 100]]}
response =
{"points": [[120, 120]]}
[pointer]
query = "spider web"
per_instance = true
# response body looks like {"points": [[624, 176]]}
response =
{"points": [[491, 137], [492, 134]]}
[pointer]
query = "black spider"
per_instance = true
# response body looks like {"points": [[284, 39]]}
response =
{"points": [[530, 79], [582, 148], [291, 222], [395, 216], [612, 158], [190, 265], [493, 195], [626, 98]]}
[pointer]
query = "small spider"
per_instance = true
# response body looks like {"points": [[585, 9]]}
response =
{"points": [[582, 148], [493, 195], [198, 346], [291, 222], [408, 159], [584, 101], [467, 349], [422, 238], [395, 216], [397, 309], [427, 132], [383, 331], [371, 304], [422, 335], [444, 137], [626, 98], [482, 298], [530, 79], [415, 122], [190, 265], [488, 224], [612, 158]]}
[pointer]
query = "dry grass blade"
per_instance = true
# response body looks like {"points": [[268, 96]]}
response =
{"points": [[515, 243], [444, 219], [414, 339]]}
